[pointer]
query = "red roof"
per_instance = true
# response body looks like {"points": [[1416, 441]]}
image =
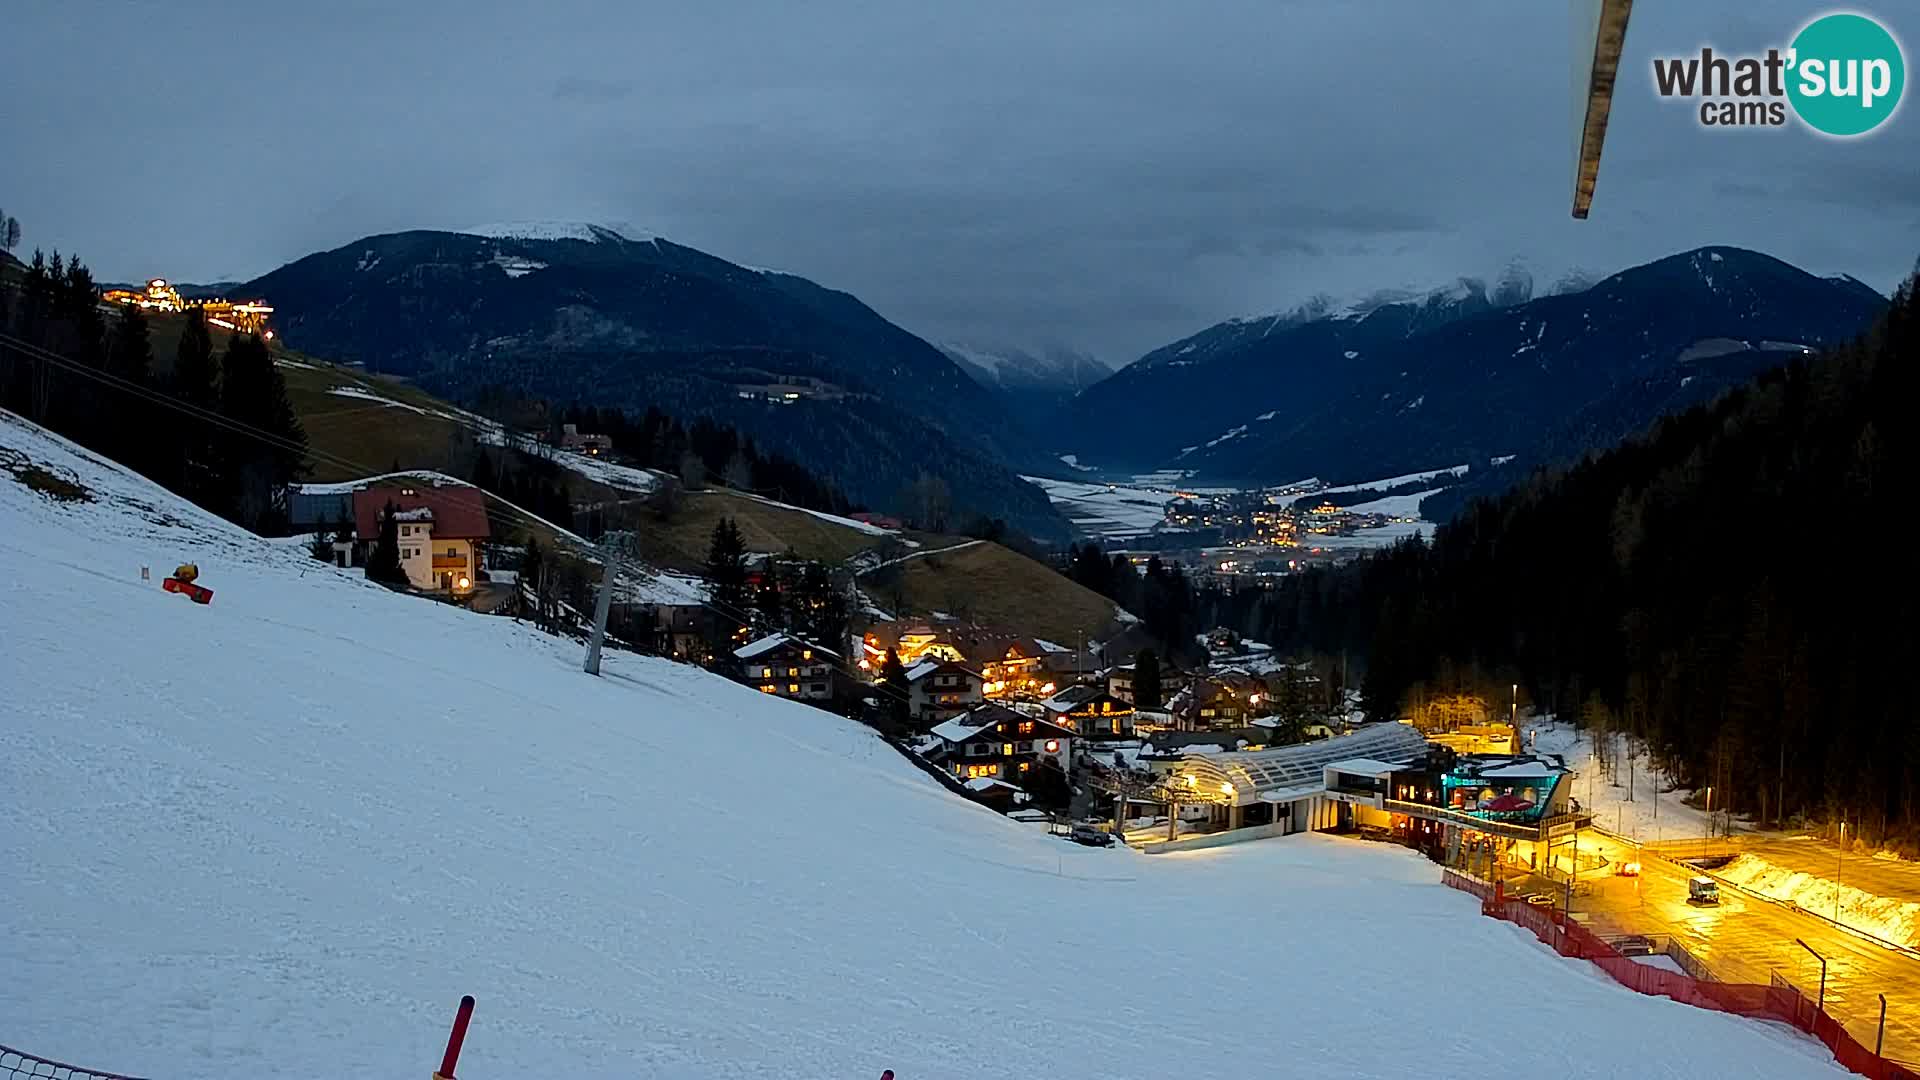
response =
{"points": [[459, 513]]}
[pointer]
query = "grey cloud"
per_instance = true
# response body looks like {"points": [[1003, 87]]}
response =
{"points": [[1107, 176], [591, 91]]}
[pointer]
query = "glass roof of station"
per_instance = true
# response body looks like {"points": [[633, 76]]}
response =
{"points": [[1289, 767]]}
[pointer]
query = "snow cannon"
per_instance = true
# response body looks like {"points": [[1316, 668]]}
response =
{"points": [[183, 582]]}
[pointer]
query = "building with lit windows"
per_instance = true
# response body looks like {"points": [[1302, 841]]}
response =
{"points": [[440, 530], [1385, 779], [992, 742], [1091, 712], [789, 667], [939, 690]]}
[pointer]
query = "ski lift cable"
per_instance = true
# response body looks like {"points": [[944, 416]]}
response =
{"points": [[509, 515]]}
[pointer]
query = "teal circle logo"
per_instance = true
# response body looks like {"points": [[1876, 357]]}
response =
{"points": [[1847, 75]]}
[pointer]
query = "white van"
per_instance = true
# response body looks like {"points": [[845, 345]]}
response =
{"points": [[1703, 890]]}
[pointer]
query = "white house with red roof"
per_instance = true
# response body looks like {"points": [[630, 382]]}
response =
{"points": [[440, 531]]}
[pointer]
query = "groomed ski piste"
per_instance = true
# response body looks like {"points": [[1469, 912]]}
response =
{"points": [[280, 835]]}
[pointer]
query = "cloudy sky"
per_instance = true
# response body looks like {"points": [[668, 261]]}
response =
{"points": [[1106, 174]]}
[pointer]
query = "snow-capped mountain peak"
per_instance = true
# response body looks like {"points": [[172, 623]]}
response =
{"points": [[1014, 368], [561, 230]]}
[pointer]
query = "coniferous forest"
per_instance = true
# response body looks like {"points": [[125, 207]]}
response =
{"points": [[92, 377], [1733, 587]]}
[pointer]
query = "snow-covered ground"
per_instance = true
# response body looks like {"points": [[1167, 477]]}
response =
{"points": [[1395, 505], [1383, 536], [1644, 817], [1395, 481], [281, 834], [1107, 511], [1887, 917]]}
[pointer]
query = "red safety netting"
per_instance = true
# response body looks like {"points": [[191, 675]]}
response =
{"points": [[1779, 1001]]}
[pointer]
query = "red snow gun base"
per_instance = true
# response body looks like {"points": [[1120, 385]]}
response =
{"points": [[199, 594]]}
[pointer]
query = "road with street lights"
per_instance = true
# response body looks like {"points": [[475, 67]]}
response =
{"points": [[1746, 940]]}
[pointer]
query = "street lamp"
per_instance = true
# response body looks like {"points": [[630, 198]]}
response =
{"points": [[1823, 972], [1709, 811], [1840, 865]]}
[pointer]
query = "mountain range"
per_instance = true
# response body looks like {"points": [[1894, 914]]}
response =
{"points": [[1035, 383], [1463, 374], [590, 313]]}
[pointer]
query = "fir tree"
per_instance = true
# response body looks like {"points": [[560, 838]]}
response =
{"points": [[138, 438], [195, 377], [383, 565], [769, 603], [893, 689], [257, 469], [726, 572], [1146, 680]]}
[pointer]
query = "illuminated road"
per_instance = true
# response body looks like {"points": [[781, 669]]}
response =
{"points": [[1747, 940]]}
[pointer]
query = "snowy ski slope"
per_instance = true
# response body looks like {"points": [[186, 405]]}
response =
{"points": [[280, 835]]}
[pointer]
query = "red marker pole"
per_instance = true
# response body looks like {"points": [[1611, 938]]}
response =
{"points": [[454, 1040]]}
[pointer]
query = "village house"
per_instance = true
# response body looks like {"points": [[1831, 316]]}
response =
{"points": [[571, 438], [1090, 711], [789, 667], [440, 532], [992, 742], [1222, 700], [938, 690]]}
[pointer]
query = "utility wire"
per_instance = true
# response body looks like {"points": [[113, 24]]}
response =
{"points": [[524, 518]]}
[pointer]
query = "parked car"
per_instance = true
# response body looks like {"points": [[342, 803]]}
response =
{"points": [[1703, 890], [1090, 836], [1634, 945], [1539, 899], [1630, 868]]}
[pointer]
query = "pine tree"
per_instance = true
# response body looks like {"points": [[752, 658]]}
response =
{"points": [[137, 438], [893, 689], [769, 604], [383, 565], [257, 470], [195, 376], [726, 572], [1146, 680]]}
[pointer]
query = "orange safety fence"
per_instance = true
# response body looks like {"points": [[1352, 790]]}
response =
{"points": [[1779, 1001]]}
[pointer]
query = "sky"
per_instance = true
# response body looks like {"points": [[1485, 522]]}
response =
{"points": [[1091, 174]]}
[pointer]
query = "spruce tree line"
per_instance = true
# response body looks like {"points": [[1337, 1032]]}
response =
{"points": [[704, 452], [808, 603], [56, 308], [1160, 593], [1732, 587]]}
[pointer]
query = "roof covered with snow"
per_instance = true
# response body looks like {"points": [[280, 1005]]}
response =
{"points": [[764, 645]]}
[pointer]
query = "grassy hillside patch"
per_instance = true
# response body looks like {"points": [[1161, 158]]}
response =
{"points": [[995, 587], [681, 542]]}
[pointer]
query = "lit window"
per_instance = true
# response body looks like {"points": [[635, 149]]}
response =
{"points": [[1024, 766], [766, 673], [793, 688], [793, 671], [767, 689], [1026, 727], [806, 654], [1006, 749]]}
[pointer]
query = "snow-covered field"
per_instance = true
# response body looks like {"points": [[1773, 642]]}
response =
{"points": [[1107, 511], [281, 834]]}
